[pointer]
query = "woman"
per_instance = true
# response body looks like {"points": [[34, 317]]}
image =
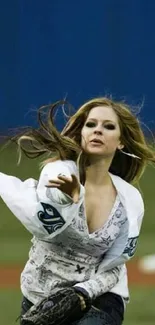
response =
{"points": [[84, 213]]}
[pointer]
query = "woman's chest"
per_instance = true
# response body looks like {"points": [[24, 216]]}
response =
{"points": [[97, 211]]}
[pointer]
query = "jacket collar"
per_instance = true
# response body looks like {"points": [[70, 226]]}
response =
{"points": [[132, 202]]}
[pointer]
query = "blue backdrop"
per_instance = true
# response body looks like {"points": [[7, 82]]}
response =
{"points": [[84, 48]]}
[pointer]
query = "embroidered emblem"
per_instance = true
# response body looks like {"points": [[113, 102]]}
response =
{"points": [[50, 218], [131, 246]]}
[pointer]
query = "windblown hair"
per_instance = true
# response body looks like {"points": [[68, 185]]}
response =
{"points": [[67, 144]]}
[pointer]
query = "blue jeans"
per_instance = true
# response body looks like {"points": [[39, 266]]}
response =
{"points": [[107, 309]]}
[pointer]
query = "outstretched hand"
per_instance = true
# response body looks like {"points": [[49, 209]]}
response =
{"points": [[69, 186]]}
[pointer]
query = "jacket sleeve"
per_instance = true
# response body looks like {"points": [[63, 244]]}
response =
{"points": [[125, 245], [101, 283], [107, 274], [109, 270], [56, 210], [44, 212]]}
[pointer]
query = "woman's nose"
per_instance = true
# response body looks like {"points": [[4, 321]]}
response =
{"points": [[98, 131]]}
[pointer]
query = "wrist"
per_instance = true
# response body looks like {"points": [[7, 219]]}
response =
{"points": [[84, 297]]}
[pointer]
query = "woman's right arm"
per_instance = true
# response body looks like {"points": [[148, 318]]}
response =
{"points": [[44, 211]]}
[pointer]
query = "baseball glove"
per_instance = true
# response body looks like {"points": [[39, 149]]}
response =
{"points": [[63, 307]]}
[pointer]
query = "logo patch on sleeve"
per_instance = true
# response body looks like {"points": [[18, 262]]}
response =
{"points": [[50, 218], [131, 246]]}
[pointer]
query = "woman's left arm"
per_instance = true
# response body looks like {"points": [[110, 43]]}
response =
{"points": [[109, 269]]}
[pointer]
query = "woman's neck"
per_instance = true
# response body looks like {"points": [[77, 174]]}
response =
{"points": [[98, 173]]}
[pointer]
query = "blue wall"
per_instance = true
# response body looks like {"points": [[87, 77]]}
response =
{"points": [[83, 48]]}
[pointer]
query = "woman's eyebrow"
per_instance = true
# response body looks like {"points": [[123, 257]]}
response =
{"points": [[95, 120]]}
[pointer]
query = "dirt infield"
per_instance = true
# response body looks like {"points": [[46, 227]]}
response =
{"points": [[10, 276]]}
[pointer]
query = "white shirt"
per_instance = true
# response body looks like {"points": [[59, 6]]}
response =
{"points": [[63, 251]]}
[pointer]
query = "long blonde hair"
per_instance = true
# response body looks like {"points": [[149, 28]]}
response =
{"points": [[67, 144]]}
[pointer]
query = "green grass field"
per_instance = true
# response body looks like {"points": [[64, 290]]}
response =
{"points": [[15, 243]]}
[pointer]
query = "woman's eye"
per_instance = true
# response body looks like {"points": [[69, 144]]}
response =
{"points": [[110, 126], [90, 124]]}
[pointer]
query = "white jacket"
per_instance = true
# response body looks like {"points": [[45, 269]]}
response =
{"points": [[30, 201]]}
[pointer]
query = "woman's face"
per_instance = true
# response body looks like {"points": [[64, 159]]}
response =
{"points": [[100, 134]]}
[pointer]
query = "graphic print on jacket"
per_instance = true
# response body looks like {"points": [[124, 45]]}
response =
{"points": [[50, 218], [131, 246]]}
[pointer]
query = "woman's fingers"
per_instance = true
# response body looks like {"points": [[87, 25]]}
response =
{"points": [[75, 180], [68, 185], [56, 181], [76, 191], [76, 196], [53, 185], [64, 178], [82, 301]]}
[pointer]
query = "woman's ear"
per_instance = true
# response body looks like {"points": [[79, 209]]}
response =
{"points": [[120, 146]]}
